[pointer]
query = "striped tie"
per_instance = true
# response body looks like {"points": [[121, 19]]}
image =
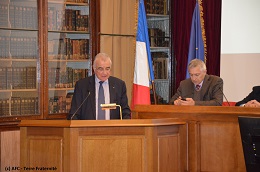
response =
{"points": [[197, 87]]}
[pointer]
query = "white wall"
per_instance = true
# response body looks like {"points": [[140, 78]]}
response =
{"points": [[240, 47]]}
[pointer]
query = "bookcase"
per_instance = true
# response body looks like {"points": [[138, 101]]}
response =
{"points": [[45, 47], [68, 51], [19, 58], [158, 20]]}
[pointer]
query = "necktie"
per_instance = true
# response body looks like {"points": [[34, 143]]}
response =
{"points": [[197, 87], [101, 100]]}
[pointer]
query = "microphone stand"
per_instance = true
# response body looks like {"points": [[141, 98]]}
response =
{"points": [[224, 96], [79, 106]]}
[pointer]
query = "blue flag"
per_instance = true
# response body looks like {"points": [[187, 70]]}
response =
{"points": [[196, 48]]}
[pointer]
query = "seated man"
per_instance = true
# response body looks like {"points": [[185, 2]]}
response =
{"points": [[200, 89], [252, 100]]}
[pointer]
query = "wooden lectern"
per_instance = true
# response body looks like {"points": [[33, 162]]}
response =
{"points": [[147, 145]]}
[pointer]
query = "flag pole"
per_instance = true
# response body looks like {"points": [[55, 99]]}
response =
{"points": [[154, 93]]}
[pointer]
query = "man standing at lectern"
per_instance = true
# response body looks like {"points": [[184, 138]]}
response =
{"points": [[100, 88], [200, 89]]}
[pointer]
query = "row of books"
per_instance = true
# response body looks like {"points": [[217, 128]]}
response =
{"points": [[68, 49], [17, 78], [160, 65], [16, 16], [157, 38], [18, 47], [157, 7], [59, 78], [14, 106], [3, 15], [68, 20], [60, 104]]}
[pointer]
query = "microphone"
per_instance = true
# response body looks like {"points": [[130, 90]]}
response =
{"points": [[224, 96], [79, 106]]}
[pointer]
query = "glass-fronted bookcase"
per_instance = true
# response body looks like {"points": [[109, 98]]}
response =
{"points": [[158, 21], [45, 47], [68, 51], [19, 58]]}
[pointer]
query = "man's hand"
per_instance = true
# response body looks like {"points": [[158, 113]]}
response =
{"points": [[252, 103], [183, 102]]}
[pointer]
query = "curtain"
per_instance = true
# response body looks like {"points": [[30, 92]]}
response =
{"points": [[181, 13], [117, 37], [212, 18]]}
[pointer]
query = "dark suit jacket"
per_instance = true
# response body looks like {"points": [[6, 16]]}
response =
{"points": [[211, 91], [254, 95], [83, 87]]}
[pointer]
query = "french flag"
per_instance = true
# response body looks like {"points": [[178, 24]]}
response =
{"points": [[143, 73]]}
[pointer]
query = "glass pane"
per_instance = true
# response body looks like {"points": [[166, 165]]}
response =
{"points": [[19, 58], [68, 50], [159, 37], [158, 29]]}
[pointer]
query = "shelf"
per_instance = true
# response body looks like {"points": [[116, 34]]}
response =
{"points": [[18, 90], [157, 17], [160, 49], [68, 32], [61, 89], [18, 29], [69, 3], [18, 60], [83, 60]]}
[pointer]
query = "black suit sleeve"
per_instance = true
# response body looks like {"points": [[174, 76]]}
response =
{"points": [[126, 113], [254, 95]]}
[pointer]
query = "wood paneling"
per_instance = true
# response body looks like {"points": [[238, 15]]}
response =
{"points": [[111, 153], [149, 145], [44, 152], [10, 149], [214, 142]]}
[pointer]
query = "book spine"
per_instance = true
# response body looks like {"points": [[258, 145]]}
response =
{"points": [[24, 17], [3, 78], [68, 101], [4, 107], [51, 13], [2, 47], [60, 19], [15, 106], [9, 77], [36, 105], [35, 18], [70, 77], [85, 23], [29, 18], [23, 111], [30, 77], [15, 78], [12, 15], [3, 15], [18, 13]]}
